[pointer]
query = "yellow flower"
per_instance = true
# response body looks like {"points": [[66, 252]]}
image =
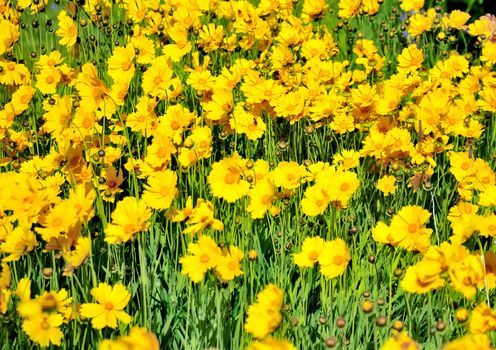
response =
{"points": [[340, 188], [470, 341], [456, 19], [270, 343], [400, 341], [310, 252], [8, 36], [129, 217], [120, 64], [219, 107], [138, 338], [264, 316], [200, 218], [420, 23], [111, 302], [382, 233], [160, 190], [229, 264], [387, 185], [19, 242], [204, 256], [44, 328], [346, 160], [262, 197], [410, 59], [315, 201], [47, 80], [247, 123], [466, 275], [67, 29], [488, 53], [159, 153], [408, 225], [75, 258], [288, 175], [412, 5], [226, 180], [57, 221], [482, 319], [333, 258], [422, 278], [348, 8]]}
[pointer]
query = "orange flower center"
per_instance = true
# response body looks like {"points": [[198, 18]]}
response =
{"points": [[226, 107], [465, 165], [157, 80], [128, 228], [204, 258], [161, 152], [233, 265], [338, 260], [87, 122], [491, 227], [25, 99], [49, 80], [11, 66], [175, 125], [109, 306], [164, 191], [230, 178], [313, 255], [267, 199], [57, 222], [45, 325], [344, 187], [412, 228], [125, 66]]}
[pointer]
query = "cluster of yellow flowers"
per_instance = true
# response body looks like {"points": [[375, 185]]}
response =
{"points": [[206, 255], [332, 256], [45, 315], [124, 133]]}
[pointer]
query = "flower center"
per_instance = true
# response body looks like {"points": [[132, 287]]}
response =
{"points": [[344, 187], [45, 325], [109, 306], [338, 260], [57, 222], [313, 255], [161, 152], [204, 258], [412, 228], [232, 265], [230, 178], [175, 125], [164, 191]]}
